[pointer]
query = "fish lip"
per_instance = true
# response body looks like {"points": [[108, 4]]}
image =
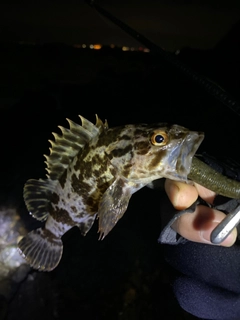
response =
{"points": [[180, 159], [190, 145]]}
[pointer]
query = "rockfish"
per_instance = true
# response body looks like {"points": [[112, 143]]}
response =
{"points": [[92, 171]]}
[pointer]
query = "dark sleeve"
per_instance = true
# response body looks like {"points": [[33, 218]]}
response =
{"points": [[207, 283]]}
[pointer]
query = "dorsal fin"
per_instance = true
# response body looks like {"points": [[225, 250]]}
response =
{"points": [[37, 193], [66, 146]]}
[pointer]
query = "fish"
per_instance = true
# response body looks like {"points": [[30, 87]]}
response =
{"points": [[92, 172]]}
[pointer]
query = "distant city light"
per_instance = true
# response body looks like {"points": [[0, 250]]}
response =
{"points": [[125, 48], [97, 46]]}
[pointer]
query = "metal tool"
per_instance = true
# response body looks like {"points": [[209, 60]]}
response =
{"points": [[225, 227]]}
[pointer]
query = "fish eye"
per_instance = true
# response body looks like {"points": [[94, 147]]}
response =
{"points": [[159, 138]]}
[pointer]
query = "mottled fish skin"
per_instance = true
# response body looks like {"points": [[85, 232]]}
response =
{"points": [[93, 171]]}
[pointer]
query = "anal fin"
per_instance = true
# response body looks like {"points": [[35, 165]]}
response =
{"points": [[86, 224]]}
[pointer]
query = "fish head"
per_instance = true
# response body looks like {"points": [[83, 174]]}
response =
{"points": [[141, 154], [172, 151], [160, 151]]}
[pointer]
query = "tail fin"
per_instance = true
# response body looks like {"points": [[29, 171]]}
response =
{"points": [[42, 249]]}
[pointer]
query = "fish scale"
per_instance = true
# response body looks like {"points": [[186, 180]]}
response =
{"points": [[92, 171]]}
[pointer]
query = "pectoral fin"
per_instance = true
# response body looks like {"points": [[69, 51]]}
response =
{"points": [[113, 205]]}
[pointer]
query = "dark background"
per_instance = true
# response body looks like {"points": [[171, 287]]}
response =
{"points": [[169, 23], [44, 79]]}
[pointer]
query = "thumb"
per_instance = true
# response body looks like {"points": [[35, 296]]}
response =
{"points": [[180, 194]]}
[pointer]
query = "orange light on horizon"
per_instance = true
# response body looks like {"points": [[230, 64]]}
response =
{"points": [[97, 46]]}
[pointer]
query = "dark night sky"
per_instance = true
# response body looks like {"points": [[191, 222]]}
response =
{"points": [[171, 24]]}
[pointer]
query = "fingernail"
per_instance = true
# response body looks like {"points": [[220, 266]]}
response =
{"points": [[205, 235]]}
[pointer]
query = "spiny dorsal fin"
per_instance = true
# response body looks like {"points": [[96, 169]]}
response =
{"points": [[66, 146], [37, 193]]}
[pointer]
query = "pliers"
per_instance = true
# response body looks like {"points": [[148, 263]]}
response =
{"points": [[225, 227]]}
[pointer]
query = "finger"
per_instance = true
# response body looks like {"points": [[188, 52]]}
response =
{"points": [[198, 226], [181, 195], [204, 193]]}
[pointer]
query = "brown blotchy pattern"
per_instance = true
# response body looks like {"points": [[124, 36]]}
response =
{"points": [[63, 179], [157, 158], [117, 153], [99, 163], [61, 215], [102, 184], [106, 166], [49, 235], [140, 133], [126, 169], [74, 209], [79, 186], [92, 203], [55, 198], [75, 184], [123, 151], [125, 137], [142, 147], [110, 136]]}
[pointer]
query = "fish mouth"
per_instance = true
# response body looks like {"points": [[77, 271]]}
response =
{"points": [[183, 154]]}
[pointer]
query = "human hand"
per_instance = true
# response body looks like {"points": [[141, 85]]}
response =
{"points": [[208, 279], [195, 226]]}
